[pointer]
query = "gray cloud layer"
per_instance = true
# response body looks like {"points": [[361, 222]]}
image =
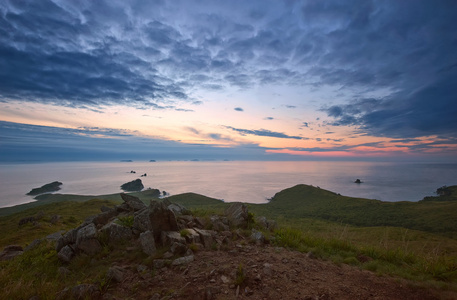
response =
{"points": [[152, 54]]}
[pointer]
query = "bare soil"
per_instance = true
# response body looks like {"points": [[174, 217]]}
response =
{"points": [[263, 272]]}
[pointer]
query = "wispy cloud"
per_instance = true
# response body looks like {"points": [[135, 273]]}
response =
{"points": [[265, 132]]}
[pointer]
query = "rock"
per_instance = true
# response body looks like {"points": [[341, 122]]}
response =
{"points": [[105, 208], [133, 202], [162, 219], [54, 219], [170, 237], [47, 188], [141, 268], [358, 181], [183, 260], [85, 233], [54, 237], [141, 221], [33, 244], [265, 223], [67, 239], [267, 269], [178, 209], [257, 237], [117, 233], [90, 246], [238, 215], [311, 255], [192, 236], [11, 252], [104, 217], [178, 248], [133, 186], [219, 224], [147, 243], [115, 274], [84, 291], [160, 263], [66, 254], [206, 237]]}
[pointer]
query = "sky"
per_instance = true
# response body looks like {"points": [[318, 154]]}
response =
{"points": [[236, 80]]}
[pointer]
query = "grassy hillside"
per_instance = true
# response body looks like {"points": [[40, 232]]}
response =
{"points": [[304, 201]]}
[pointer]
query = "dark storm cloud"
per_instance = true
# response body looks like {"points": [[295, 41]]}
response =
{"points": [[264, 132], [431, 110]]}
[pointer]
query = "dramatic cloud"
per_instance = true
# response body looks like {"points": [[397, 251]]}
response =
{"points": [[379, 69]]}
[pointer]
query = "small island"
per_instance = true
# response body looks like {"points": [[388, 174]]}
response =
{"points": [[133, 186], [358, 181], [47, 188]]}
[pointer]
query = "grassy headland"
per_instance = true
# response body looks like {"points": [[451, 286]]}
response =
{"points": [[414, 240]]}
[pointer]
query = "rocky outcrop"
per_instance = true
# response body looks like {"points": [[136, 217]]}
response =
{"points": [[133, 186], [47, 188], [161, 224]]}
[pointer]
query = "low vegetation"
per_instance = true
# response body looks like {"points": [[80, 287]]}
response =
{"points": [[416, 241]]}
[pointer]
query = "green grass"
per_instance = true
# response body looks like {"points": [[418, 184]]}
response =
{"points": [[413, 240]]}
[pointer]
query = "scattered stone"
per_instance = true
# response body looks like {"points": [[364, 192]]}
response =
{"points": [[257, 237], [225, 279], [67, 239], [115, 274], [141, 268], [311, 255], [178, 248], [54, 237], [170, 237], [11, 252], [206, 237], [161, 263], [54, 219], [66, 254], [183, 260], [84, 291], [267, 269], [147, 242], [33, 244]]}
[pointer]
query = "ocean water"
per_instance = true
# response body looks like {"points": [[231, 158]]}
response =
{"points": [[245, 181]]}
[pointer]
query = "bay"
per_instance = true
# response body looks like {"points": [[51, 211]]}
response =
{"points": [[245, 181]]}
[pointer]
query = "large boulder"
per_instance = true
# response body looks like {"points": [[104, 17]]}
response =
{"points": [[133, 202], [161, 218], [66, 254]]}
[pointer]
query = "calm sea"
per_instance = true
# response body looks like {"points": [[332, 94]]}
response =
{"points": [[252, 182]]}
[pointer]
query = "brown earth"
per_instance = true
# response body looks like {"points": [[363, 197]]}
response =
{"points": [[269, 273]]}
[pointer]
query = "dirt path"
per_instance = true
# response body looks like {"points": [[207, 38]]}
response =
{"points": [[269, 273]]}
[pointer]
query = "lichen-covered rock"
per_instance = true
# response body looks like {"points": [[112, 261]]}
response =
{"points": [[178, 209], [178, 248], [192, 236], [147, 242], [115, 274], [104, 217]]}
